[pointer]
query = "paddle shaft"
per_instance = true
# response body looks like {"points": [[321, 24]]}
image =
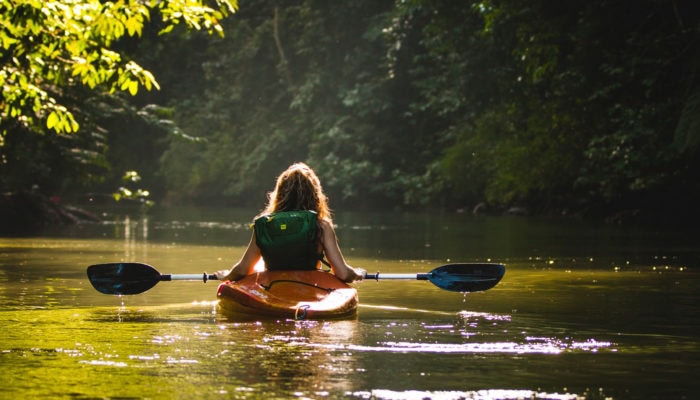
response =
{"points": [[188, 277], [378, 276], [204, 277]]}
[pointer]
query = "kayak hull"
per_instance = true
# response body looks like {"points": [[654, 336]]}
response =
{"points": [[288, 294]]}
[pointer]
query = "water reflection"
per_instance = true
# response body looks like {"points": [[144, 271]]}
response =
{"points": [[531, 346], [290, 356], [287, 355], [425, 236], [135, 238], [491, 394], [479, 333]]}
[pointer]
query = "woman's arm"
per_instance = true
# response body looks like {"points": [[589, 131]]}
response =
{"points": [[340, 268], [245, 266]]}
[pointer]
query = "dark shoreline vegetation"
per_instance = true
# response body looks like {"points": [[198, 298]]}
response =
{"points": [[29, 213], [584, 111]]}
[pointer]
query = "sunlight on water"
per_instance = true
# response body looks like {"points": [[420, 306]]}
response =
{"points": [[467, 315], [105, 363], [430, 337], [532, 346], [491, 394], [395, 308]]}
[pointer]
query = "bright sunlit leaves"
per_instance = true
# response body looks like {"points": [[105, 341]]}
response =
{"points": [[125, 193], [61, 121], [48, 47]]}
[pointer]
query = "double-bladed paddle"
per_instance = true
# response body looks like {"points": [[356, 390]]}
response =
{"points": [[133, 278]]}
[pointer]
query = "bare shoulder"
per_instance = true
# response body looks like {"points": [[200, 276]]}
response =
{"points": [[326, 225]]}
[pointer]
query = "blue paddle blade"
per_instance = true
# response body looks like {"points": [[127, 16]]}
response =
{"points": [[467, 277], [123, 278]]}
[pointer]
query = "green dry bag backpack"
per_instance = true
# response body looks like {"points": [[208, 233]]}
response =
{"points": [[288, 240]]}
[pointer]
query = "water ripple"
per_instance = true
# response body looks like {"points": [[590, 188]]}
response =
{"points": [[490, 394], [531, 346]]}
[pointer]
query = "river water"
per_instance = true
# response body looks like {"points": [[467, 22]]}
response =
{"points": [[585, 311]]}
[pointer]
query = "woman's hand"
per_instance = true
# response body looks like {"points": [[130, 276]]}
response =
{"points": [[360, 274], [222, 275]]}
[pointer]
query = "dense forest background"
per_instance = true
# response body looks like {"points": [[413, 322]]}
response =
{"points": [[588, 108]]}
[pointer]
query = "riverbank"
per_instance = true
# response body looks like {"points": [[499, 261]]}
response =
{"points": [[26, 212]]}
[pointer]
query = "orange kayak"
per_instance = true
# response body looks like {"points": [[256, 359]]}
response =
{"points": [[288, 294]]}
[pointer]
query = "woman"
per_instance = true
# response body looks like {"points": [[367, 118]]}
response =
{"points": [[297, 197]]}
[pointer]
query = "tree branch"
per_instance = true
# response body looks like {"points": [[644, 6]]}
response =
{"points": [[284, 65]]}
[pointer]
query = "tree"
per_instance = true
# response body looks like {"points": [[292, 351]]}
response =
{"points": [[415, 102], [594, 104], [63, 68], [49, 47], [289, 77]]}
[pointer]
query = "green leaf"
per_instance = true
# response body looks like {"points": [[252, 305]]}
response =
{"points": [[167, 29], [52, 120], [133, 87], [125, 83]]}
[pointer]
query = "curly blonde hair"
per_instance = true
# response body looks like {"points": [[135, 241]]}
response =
{"points": [[298, 188]]}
